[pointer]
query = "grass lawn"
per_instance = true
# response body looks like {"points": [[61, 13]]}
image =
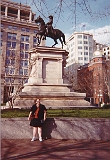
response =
{"points": [[78, 113]]}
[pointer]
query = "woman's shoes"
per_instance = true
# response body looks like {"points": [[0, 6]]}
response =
{"points": [[33, 139], [40, 139]]}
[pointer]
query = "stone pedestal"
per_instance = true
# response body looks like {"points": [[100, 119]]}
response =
{"points": [[46, 80]]}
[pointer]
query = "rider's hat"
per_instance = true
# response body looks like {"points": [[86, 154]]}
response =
{"points": [[51, 17]]}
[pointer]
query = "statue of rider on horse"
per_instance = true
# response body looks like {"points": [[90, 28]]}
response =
{"points": [[47, 30]]}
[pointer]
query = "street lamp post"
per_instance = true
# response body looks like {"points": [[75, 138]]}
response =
{"points": [[99, 95]]}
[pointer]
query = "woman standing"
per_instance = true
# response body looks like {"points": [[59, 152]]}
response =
{"points": [[37, 116]]}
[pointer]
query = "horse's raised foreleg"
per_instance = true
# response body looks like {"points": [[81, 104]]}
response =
{"points": [[55, 42]]}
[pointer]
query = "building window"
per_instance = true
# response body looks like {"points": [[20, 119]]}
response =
{"points": [[8, 44], [24, 38], [24, 46], [13, 44], [2, 26], [24, 54], [79, 42], [79, 53], [10, 27], [79, 47], [11, 36], [14, 27], [90, 38], [9, 62], [24, 63], [79, 36], [85, 53], [35, 41], [12, 71], [24, 42], [7, 80], [9, 70], [23, 71], [80, 58], [90, 43], [10, 53], [1, 34], [12, 62], [85, 48], [90, 48], [85, 42], [21, 63], [1, 44], [11, 40], [35, 31], [86, 58], [85, 37], [25, 29], [21, 54]]}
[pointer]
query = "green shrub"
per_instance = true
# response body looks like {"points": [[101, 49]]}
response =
{"points": [[106, 106]]}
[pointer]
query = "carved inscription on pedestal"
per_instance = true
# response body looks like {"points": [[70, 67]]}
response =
{"points": [[50, 70]]}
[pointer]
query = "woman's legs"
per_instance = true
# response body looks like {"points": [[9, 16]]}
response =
{"points": [[40, 133], [35, 129], [34, 133]]}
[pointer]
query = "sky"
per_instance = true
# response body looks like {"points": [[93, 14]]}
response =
{"points": [[90, 16]]}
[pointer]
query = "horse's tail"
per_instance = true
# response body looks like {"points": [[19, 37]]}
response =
{"points": [[63, 36]]}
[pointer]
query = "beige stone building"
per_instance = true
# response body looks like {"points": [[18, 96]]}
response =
{"points": [[81, 47], [18, 35]]}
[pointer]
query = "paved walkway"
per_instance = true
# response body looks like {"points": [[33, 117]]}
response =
{"points": [[52, 149]]}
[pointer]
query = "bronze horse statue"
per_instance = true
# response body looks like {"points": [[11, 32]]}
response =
{"points": [[52, 33]]}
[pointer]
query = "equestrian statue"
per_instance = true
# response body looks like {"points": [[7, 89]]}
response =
{"points": [[47, 30]]}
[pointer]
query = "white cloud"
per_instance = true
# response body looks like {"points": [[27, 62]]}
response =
{"points": [[101, 35]]}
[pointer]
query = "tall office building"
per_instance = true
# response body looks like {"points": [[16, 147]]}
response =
{"points": [[81, 47], [18, 35]]}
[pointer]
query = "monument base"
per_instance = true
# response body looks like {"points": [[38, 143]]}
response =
{"points": [[52, 96], [54, 100], [46, 81]]}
